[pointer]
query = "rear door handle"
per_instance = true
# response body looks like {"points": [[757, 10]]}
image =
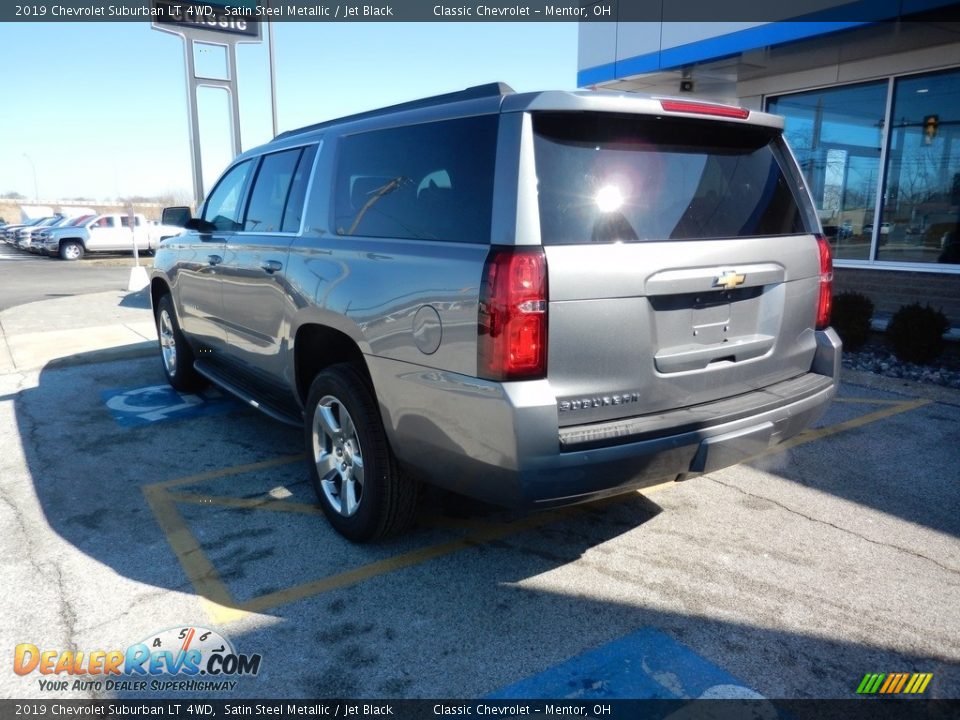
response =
{"points": [[214, 259], [271, 266]]}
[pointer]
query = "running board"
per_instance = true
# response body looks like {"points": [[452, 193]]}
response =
{"points": [[235, 390]]}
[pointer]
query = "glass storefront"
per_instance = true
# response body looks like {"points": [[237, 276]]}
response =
{"points": [[922, 198], [838, 135]]}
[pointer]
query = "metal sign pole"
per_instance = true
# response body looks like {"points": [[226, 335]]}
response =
{"points": [[194, 114], [210, 24], [234, 99], [273, 77]]}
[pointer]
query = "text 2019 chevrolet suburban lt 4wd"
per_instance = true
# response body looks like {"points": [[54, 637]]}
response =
{"points": [[532, 299]]}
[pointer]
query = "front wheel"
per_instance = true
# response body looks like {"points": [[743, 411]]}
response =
{"points": [[71, 250], [175, 353], [361, 490]]}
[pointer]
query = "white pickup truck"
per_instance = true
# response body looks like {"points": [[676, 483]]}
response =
{"points": [[104, 233]]}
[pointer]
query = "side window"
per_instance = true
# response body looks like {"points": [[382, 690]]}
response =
{"points": [[105, 222], [270, 190], [224, 205], [432, 181], [298, 190]]}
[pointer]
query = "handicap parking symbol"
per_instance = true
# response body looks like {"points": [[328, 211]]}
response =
{"points": [[155, 403], [647, 663]]}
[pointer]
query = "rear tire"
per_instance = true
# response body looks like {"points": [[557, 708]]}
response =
{"points": [[354, 473], [176, 355], [71, 250]]}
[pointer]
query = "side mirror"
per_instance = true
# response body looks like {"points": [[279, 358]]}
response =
{"points": [[204, 226], [176, 216]]}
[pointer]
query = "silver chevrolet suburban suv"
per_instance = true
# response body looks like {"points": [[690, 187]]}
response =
{"points": [[533, 299]]}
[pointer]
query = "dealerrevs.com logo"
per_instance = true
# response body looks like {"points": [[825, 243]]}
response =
{"points": [[187, 659]]}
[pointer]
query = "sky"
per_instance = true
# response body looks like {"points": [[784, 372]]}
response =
{"points": [[98, 110]]}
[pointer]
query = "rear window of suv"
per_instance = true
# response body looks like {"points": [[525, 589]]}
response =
{"points": [[630, 178]]}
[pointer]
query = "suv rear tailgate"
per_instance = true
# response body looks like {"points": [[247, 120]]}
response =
{"points": [[682, 259], [652, 336]]}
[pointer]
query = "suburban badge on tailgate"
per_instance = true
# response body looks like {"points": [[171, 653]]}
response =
{"points": [[729, 279], [596, 402]]}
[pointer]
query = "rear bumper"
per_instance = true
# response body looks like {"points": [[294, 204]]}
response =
{"points": [[501, 442]]}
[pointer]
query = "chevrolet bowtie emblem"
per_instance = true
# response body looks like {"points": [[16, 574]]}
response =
{"points": [[729, 279]]}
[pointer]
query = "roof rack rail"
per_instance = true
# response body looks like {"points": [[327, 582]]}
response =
{"points": [[471, 93]]}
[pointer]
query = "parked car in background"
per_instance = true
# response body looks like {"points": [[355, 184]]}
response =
{"points": [[25, 235], [111, 232], [38, 239], [533, 299], [838, 233], [10, 231], [11, 228], [884, 228]]}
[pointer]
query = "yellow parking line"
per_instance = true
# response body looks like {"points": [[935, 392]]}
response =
{"points": [[658, 487], [225, 472], [260, 503], [811, 434], [223, 608], [822, 432], [496, 531], [200, 571]]}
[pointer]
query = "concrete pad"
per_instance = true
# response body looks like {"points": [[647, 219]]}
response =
{"points": [[67, 313], [34, 350]]}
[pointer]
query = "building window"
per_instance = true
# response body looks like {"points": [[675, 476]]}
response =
{"points": [[838, 136], [921, 203]]}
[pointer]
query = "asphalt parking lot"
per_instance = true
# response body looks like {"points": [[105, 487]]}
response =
{"points": [[130, 513], [28, 277]]}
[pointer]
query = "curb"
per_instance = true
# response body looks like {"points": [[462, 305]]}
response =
{"points": [[76, 330], [6, 356], [147, 348]]}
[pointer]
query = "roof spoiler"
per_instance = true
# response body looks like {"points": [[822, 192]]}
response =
{"points": [[472, 93]]}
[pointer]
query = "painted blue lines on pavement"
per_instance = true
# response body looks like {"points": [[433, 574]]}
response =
{"points": [[644, 664]]}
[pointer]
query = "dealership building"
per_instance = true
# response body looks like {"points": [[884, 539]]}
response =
{"points": [[872, 112]]}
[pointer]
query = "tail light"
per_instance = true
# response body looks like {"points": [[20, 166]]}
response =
{"points": [[512, 322], [825, 298]]}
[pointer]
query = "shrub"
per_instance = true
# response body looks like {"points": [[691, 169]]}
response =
{"points": [[916, 333], [850, 317]]}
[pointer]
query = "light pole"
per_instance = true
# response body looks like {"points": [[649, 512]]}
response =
{"points": [[36, 195]]}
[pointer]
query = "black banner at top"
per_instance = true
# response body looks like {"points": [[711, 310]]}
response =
{"points": [[229, 15]]}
